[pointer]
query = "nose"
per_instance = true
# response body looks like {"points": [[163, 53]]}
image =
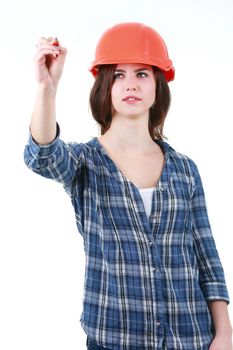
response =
{"points": [[132, 88], [131, 84]]}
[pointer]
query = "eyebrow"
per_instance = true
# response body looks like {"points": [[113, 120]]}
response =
{"points": [[136, 70]]}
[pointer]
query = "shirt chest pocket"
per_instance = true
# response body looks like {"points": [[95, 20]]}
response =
{"points": [[174, 206]]}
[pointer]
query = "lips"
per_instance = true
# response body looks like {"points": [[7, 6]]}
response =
{"points": [[131, 98]]}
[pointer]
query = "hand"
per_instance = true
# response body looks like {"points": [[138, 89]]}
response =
{"points": [[221, 343], [49, 62]]}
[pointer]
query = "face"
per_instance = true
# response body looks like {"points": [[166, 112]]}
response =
{"points": [[134, 90]]}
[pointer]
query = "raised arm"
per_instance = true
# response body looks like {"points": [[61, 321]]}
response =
{"points": [[45, 153], [49, 62]]}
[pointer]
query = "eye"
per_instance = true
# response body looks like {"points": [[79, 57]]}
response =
{"points": [[118, 76], [142, 74]]}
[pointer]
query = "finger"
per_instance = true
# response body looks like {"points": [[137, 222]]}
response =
{"points": [[47, 46], [43, 41], [61, 54], [44, 52], [52, 49]]}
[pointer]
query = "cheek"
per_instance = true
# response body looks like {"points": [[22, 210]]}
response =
{"points": [[151, 93], [149, 85], [114, 94]]}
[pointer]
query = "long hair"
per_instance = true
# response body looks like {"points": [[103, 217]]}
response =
{"points": [[101, 104]]}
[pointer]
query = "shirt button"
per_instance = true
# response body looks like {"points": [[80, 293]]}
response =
{"points": [[151, 243], [154, 269], [158, 324]]}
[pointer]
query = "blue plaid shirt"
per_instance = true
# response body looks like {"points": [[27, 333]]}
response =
{"points": [[147, 281]]}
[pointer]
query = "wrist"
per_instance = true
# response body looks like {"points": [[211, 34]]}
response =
{"points": [[224, 331], [47, 88]]}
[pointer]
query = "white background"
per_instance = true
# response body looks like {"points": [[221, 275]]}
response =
{"points": [[41, 251]]}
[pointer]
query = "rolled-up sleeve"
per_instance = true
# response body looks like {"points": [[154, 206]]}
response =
{"points": [[211, 274], [56, 160]]}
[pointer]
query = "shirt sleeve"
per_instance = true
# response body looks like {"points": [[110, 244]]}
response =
{"points": [[56, 160], [211, 274]]}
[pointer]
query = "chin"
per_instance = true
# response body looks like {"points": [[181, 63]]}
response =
{"points": [[130, 113]]}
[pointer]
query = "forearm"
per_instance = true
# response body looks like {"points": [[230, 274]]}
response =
{"points": [[220, 316], [43, 121]]}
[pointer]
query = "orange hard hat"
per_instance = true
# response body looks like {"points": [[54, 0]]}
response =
{"points": [[132, 43]]}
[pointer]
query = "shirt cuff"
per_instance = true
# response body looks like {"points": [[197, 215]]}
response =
{"points": [[215, 291], [45, 150]]}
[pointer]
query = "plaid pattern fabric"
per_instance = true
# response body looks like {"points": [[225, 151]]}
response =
{"points": [[147, 281]]}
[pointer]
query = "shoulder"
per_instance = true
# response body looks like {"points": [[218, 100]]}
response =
{"points": [[84, 147], [179, 158], [89, 150], [182, 165]]}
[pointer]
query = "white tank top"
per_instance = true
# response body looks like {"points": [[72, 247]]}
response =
{"points": [[146, 194]]}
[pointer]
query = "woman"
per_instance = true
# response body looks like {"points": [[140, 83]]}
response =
{"points": [[153, 276]]}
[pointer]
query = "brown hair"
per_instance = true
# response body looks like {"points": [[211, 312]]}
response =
{"points": [[101, 104]]}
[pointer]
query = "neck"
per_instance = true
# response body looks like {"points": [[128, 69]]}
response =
{"points": [[130, 135]]}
